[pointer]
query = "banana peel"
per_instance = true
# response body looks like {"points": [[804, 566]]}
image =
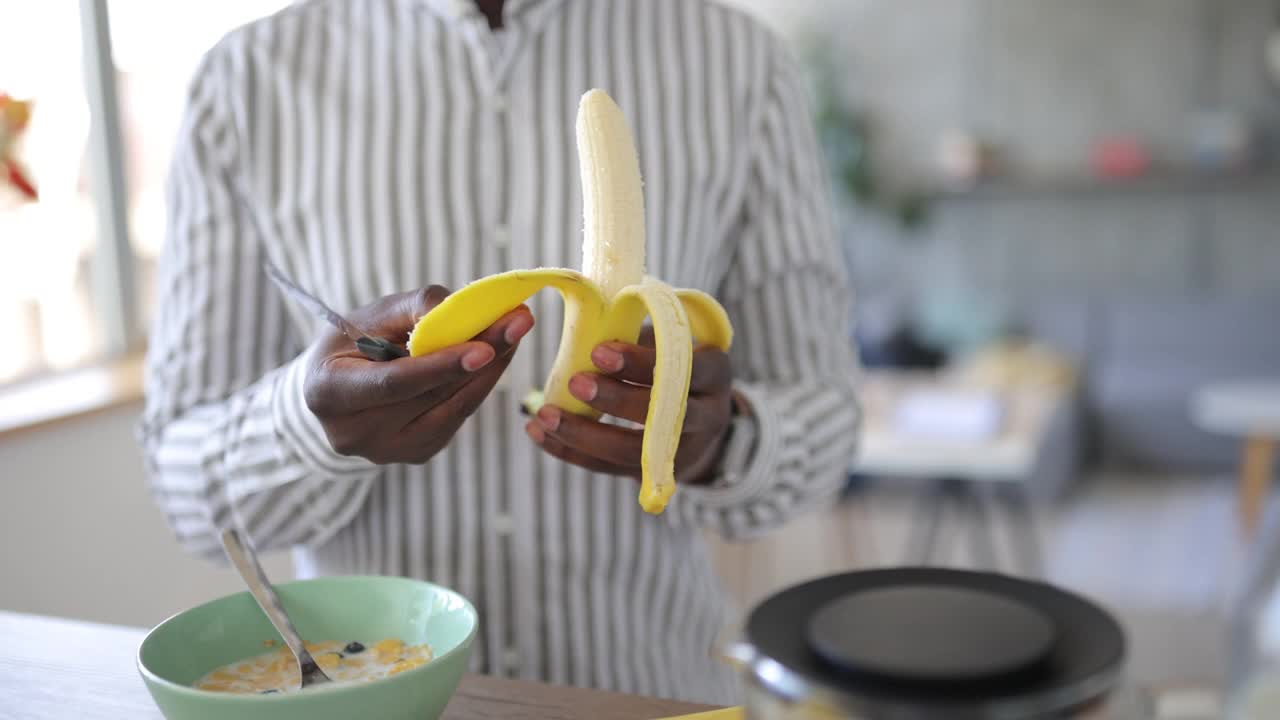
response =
{"points": [[608, 300]]}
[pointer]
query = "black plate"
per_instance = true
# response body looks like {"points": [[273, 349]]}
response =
{"points": [[1049, 650], [932, 634]]}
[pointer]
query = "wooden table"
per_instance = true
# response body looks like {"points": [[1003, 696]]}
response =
{"points": [[1250, 410], [51, 668], [962, 473], [1007, 456]]}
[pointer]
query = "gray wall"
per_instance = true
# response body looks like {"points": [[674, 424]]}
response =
{"points": [[1043, 78], [81, 537]]}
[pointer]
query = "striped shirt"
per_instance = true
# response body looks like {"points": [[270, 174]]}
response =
{"points": [[369, 147]]}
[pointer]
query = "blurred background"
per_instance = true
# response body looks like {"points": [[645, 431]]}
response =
{"points": [[1063, 224]]}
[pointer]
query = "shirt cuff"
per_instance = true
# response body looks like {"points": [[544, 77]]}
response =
{"points": [[301, 429], [750, 457]]}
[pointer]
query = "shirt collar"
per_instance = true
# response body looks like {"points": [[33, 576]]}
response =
{"points": [[463, 10]]}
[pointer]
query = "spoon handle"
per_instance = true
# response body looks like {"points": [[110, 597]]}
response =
{"points": [[246, 562], [311, 302], [374, 348]]}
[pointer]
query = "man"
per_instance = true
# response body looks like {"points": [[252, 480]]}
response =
{"points": [[371, 148]]}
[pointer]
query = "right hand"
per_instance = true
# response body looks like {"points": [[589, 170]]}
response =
{"points": [[408, 409]]}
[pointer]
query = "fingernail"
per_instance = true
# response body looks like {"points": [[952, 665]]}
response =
{"points": [[518, 328], [477, 358], [607, 359], [583, 387], [534, 432], [550, 418]]}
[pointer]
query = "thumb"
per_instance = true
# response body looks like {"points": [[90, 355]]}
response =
{"points": [[395, 315]]}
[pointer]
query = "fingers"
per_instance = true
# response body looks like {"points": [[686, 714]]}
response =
{"points": [[612, 397], [703, 413], [414, 430], [395, 316], [404, 410], [711, 371], [505, 333], [608, 448], [443, 410], [461, 398], [624, 361], [609, 443], [407, 308], [342, 385], [349, 383], [557, 448]]}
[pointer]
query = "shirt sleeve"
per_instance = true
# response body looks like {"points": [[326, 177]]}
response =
{"points": [[787, 294], [227, 436]]}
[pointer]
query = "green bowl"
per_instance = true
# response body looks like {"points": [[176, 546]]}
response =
{"points": [[182, 649]]}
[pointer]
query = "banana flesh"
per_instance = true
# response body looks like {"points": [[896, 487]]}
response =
{"points": [[608, 300]]}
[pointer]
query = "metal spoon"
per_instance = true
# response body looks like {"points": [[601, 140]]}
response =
{"points": [[374, 348], [246, 562]]}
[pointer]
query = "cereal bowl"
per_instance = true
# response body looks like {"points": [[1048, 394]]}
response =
{"points": [[230, 631]]}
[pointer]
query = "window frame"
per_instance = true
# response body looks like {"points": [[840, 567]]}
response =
{"points": [[113, 284]]}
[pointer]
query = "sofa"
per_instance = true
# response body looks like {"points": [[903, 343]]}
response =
{"points": [[1141, 360]]}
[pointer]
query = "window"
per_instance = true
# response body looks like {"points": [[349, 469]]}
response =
{"points": [[108, 94], [45, 246], [153, 70]]}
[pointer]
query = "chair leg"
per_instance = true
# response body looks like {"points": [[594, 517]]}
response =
{"points": [[982, 532], [1026, 535], [1255, 480], [857, 531], [926, 523]]}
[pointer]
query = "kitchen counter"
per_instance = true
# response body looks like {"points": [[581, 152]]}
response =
{"points": [[53, 668]]}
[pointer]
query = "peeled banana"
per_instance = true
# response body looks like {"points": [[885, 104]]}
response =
{"points": [[608, 300]]}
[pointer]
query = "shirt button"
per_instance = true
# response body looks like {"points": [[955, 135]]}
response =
{"points": [[499, 103], [503, 524], [462, 8], [501, 236], [511, 660]]}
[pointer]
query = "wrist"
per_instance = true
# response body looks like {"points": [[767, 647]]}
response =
{"points": [[300, 428], [709, 466]]}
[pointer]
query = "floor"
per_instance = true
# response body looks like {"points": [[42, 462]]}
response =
{"points": [[1163, 553]]}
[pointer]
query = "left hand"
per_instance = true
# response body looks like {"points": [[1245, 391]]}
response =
{"points": [[621, 389]]}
